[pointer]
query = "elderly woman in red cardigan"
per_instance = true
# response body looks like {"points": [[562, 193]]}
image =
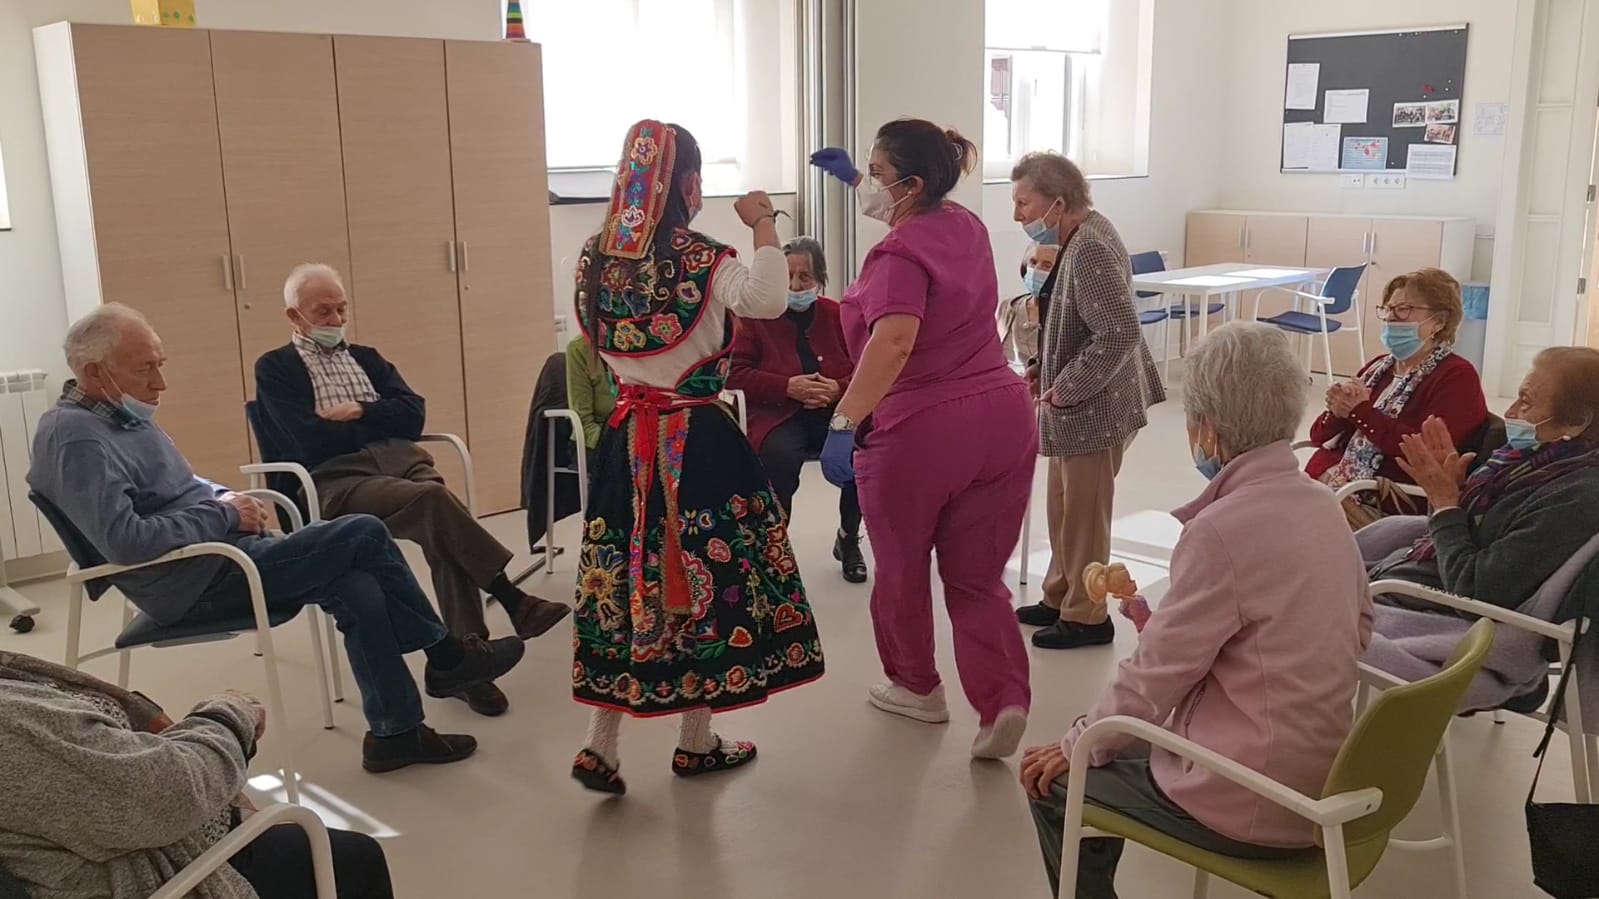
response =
{"points": [[793, 370], [1420, 377]]}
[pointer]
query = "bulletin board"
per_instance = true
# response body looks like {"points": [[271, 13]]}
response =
{"points": [[1375, 101]]}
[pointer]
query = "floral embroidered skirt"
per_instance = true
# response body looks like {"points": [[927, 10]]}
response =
{"points": [[749, 632]]}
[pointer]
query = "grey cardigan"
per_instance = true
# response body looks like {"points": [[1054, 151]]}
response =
{"points": [[93, 809], [1092, 351], [1521, 541]]}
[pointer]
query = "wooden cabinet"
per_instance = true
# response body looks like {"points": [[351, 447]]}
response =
{"points": [[501, 209], [193, 169], [148, 149], [278, 115], [1214, 237], [1387, 246]]}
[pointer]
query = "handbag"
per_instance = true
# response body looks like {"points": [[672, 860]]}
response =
{"points": [[1562, 835]]}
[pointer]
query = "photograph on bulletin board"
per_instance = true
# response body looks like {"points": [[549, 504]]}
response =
{"points": [[1366, 101]]}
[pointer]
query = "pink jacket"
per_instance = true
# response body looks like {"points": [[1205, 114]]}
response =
{"points": [[1252, 651]]}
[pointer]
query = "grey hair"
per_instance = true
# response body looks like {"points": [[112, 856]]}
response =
{"points": [[812, 248], [1246, 382], [93, 337], [304, 274]]}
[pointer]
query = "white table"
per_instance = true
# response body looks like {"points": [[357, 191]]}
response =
{"points": [[1227, 280]]}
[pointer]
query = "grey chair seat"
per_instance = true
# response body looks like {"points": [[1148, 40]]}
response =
{"points": [[146, 631]]}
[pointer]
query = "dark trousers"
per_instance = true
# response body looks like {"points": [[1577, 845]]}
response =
{"points": [[784, 453], [1126, 786], [278, 865], [395, 481], [350, 567]]}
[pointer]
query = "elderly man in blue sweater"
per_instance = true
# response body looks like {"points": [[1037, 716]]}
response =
{"points": [[344, 412], [99, 457]]}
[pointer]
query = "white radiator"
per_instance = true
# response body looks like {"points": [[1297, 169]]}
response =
{"points": [[23, 399]]}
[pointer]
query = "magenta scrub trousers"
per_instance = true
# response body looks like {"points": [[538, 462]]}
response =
{"points": [[953, 477]]}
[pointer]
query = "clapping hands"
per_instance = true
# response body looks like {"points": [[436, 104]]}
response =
{"points": [[1431, 460], [1344, 398]]}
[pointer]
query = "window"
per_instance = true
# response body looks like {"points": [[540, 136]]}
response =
{"points": [[1067, 76], [609, 63]]}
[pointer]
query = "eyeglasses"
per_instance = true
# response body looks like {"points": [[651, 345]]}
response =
{"points": [[1399, 313]]}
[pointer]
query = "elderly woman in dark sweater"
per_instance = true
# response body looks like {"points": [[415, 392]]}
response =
{"points": [[106, 797], [1499, 534]]}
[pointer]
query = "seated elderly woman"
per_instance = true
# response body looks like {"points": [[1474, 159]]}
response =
{"points": [[106, 797], [793, 371], [1499, 534], [1420, 377], [1251, 653]]}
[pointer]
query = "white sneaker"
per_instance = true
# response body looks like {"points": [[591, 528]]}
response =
{"points": [[1002, 738], [897, 700]]}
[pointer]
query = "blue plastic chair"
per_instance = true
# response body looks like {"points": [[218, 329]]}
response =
{"points": [[1337, 296], [1143, 264]]}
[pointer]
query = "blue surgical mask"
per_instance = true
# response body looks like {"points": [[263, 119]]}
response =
{"points": [[1041, 233], [137, 408], [327, 336], [801, 300], [1522, 434], [1403, 339], [1209, 466], [1034, 279]]}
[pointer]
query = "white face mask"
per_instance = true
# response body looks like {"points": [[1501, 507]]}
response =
{"points": [[877, 203]]}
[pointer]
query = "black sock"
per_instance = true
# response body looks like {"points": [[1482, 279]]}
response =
{"points": [[509, 597], [445, 654]]}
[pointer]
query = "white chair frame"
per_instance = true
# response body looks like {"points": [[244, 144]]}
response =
{"points": [[213, 859], [313, 504], [1329, 813], [580, 452], [77, 578], [1320, 304]]}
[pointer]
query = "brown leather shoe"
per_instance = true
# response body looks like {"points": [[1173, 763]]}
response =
{"points": [[484, 661], [485, 699], [537, 616], [423, 746]]}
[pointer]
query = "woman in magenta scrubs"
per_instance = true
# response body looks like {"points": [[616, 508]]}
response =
{"points": [[937, 432]]}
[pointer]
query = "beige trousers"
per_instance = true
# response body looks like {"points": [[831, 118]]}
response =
{"points": [[1082, 490]]}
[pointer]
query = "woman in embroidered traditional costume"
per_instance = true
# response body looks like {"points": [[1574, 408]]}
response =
{"points": [[689, 599]]}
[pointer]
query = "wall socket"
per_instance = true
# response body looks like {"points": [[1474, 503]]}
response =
{"points": [[1349, 181], [1386, 181]]}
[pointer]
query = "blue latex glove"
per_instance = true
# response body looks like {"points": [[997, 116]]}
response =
{"points": [[838, 458], [836, 162]]}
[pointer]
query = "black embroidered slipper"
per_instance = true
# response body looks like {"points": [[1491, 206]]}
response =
{"points": [[725, 756], [595, 774]]}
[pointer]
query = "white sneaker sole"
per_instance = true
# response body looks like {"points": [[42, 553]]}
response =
{"points": [[1003, 737], [916, 713]]}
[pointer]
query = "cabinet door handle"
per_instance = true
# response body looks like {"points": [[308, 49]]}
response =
{"points": [[1373, 251], [238, 262], [466, 262], [227, 273], [449, 249], [1243, 238]]}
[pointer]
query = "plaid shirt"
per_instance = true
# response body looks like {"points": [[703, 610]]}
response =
{"points": [[335, 375], [71, 393]]}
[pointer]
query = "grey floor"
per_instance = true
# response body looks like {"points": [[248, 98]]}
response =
{"points": [[844, 801]]}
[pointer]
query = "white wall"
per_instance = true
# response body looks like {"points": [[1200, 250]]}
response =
{"points": [[33, 318], [1252, 127], [1185, 144]]}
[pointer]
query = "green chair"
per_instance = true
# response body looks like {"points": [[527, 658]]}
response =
{"points": [[1373, 784]]}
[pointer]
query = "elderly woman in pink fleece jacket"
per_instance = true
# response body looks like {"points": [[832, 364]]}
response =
{"points": [[1251, 653]]}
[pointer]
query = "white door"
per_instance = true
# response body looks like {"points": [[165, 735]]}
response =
{"points": [[1539, 269]]}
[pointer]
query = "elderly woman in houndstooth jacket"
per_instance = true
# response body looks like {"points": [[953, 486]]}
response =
{"points": [[1096, 379]]}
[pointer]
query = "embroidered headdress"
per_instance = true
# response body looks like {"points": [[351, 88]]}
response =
{"points": [[643, 183]]}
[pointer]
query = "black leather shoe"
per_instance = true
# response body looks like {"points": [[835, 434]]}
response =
{"points": [[1069, 635], [847, 550], [1037, 615], [423, 746], [485, 660], [485, 699]]}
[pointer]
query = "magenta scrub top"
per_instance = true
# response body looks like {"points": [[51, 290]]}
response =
{"points": [[939, 267]]}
